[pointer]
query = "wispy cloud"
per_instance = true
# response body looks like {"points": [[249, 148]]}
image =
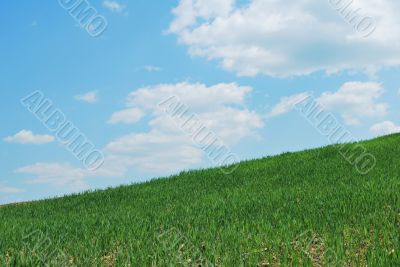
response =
{"points": [[56, 174], [287, 104], [149, 68], [89, 97], [9, 189], [28, 137], [127, 116], [113, 6]]}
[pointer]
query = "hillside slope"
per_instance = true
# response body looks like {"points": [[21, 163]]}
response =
{"points": [[306, 208]]}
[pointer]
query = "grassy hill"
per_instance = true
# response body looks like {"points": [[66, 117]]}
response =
{"points": [[310, 208]]}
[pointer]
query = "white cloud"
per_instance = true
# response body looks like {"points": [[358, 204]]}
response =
{"points": [[287, 104], [127, 116], [198, 96], [384, 128], [113, 6], [57, 174], [150, 68], [70, 179], [165, 147], [9, 190], [287, 38], [89, 97], [28, 137], [187, 12], [354, 101], [154, 151]]}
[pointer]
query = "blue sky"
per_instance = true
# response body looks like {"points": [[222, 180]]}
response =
{"points": [[238, 65]]}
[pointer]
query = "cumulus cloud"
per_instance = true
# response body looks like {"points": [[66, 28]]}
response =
{"points": [[127, 116], [89, 97], [154, 151], [28, 137], [165, 147], [384, 128], [295, 37], [196, 95], [354, 101]]}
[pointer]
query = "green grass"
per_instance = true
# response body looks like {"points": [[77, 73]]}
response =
{"points": [[296, 209]]}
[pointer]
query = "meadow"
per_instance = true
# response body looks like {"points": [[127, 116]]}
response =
{"points": [[310, 208]]}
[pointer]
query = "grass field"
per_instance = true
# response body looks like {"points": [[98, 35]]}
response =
{"points": [[310, 208]]}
